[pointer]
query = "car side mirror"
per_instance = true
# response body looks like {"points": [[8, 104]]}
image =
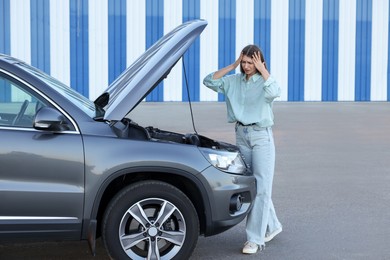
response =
{"points": [[50, 119]]}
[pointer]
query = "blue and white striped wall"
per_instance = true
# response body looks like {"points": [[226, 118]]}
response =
{"points": [[319, 50]]}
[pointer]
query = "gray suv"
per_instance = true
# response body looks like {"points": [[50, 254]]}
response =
{"points": [[76, 169]]}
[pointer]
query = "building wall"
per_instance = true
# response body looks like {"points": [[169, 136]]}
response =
{"points": [[318, 50]]}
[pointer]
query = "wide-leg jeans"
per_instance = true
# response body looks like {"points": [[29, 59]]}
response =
{"points": [[258, 148]]}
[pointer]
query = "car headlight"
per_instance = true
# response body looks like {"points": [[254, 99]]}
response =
{"points": [[230, 162]]}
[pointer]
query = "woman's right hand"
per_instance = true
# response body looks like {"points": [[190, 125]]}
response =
{"points": [[238, 61], [222, 72]]}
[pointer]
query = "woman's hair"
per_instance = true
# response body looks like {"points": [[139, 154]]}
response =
{"points": [[250, 51]]}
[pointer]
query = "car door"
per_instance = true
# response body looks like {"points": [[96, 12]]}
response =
{"points": [[41, 172]]}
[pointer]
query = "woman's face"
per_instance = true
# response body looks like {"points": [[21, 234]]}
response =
{"points": [[248, 66]]}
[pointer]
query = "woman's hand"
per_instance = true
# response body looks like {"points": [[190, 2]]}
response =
{"points": [[260, 66], [222, 72], [238, 61]]}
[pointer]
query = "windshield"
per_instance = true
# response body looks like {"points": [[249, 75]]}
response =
{"points": [[73, 96]]}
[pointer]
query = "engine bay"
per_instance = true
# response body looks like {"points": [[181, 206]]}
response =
{"points": [[128, 129]]}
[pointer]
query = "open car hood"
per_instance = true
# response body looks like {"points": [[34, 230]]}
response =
{"points": [[140, 78]]}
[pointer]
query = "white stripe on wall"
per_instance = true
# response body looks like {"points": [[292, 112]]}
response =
{"points": [[135, 29], [279, 45], [20, 38], [208, 47], [313, 50], [379, 50], [172, 18], [98, 47], [60, 41], [347, 47], [244, 26], [20, 31]]}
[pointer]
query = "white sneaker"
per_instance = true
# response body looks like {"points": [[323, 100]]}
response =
{"points": [[270, 235], [251, 248]]}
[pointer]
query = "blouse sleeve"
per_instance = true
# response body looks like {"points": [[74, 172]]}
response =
{"points": [[215, 84], [272, 89]]}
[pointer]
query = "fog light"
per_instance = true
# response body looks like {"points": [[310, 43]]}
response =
{"points": [[235, 202]]}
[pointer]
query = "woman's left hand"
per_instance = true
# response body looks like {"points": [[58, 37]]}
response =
{"points": [[260, 66]]}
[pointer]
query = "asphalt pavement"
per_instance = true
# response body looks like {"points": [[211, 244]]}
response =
{"points": [[331, 187]]}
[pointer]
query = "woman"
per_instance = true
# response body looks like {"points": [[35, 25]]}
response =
{"points": [[249, 96]]}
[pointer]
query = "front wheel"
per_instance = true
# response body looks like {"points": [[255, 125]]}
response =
{"points": [[150, 220]]}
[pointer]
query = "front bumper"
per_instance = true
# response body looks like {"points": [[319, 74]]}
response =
{"points": [[222, 188]]}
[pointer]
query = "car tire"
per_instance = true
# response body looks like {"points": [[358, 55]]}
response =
{"points": [[150, 220]]}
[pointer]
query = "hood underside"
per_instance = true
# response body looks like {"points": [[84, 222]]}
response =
{"points": [[140, 78]]}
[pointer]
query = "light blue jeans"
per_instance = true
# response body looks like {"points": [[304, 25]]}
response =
{"points": [[258, 148]]}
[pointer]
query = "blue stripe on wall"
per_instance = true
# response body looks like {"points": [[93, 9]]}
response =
{"points": [[330, 50], [154, 31], [226, 35], [363, 50], [191, 11], [40, 34], [4, 27], [116, 38], [262, 28], [79, 70], [296, 50]]}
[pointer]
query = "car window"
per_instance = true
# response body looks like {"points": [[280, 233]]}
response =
{"points": [[73, 96], [18, 105]]}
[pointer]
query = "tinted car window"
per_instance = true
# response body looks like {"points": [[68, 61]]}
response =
{"points": [[79, 100], [18, 105]]}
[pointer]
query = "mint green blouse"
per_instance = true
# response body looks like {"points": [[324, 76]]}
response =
{"points": [[247, 101]]}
